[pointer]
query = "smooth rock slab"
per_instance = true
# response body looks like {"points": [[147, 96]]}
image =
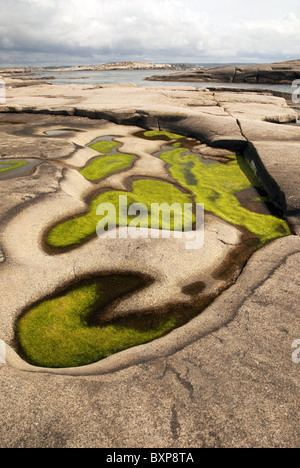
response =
{"points": [[255, 130], [282, 73], [17, 146], [277, 166], [234, 387], [217, 131], [256, 107]]}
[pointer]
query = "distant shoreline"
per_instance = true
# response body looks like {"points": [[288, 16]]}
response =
{"points": [[106, 66], [272, 73], [271, 77]]}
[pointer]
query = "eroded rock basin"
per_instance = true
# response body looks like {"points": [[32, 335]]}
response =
{"points": [[61, 132], [85, 298], [13, 168]]}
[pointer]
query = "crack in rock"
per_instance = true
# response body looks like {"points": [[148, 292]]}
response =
{"points": [[174, 423]]}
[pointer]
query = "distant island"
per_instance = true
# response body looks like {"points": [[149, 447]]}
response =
{"points": [[126, 66], [25, 72], [273, 73], [102, 67]]}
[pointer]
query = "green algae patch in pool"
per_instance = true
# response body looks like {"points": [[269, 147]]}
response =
{"points": [[110, 163], [104, 166], [11, 165], [77, 230], [57, 333], [104, 146], [158, 134], [217, 185]]}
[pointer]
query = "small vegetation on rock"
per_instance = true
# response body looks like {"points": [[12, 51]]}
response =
{"points": [[56, 333], [104, 166], [75, 231], [216, 185]]}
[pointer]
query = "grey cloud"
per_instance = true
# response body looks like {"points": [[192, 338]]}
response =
{"points": [[91, 31]]}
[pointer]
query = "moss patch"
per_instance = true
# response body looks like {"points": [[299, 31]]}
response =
{"points": [[56, 332], [155, 134], [103, 166], [77, 230], [105, 146], [216, 185], [107, 165], [70, 330]]}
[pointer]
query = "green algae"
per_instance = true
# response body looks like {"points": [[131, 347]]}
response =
{"points": [[56, 333], [105, 146], [59, 332], [216, 185], [103, 166], [159, 134], [11, 165], [75, 231]]}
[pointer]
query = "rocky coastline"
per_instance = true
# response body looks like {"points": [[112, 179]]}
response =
{"points": [[27, 76], [125, 66], [132, 65], [273, 73], [233, 369]]}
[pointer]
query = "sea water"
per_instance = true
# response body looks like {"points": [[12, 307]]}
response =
{"points": [[137, 77]]}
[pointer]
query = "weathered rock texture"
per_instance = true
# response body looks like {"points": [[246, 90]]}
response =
{"points": [[235, 387], [275, 73], [214, 117], [226, 379]]}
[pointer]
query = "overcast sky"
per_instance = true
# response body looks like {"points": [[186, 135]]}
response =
{"points": [[49, 32]]}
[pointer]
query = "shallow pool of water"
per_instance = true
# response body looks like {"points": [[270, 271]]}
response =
{"points": [[11, 168], [60, 132]]}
